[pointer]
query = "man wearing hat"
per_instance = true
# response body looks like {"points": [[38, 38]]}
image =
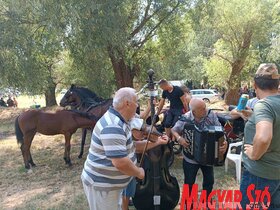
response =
{"points": [[261, 155], [178, 104]]}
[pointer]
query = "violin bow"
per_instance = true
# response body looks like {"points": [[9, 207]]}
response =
{"points": [[151, 86]]}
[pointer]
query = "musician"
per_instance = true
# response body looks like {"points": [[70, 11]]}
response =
{"points": [[261, 155], [178, 103], [201, 117], [110, 164], [129, 191]]}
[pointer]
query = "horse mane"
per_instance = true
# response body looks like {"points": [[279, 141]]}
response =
{"points": [[99, 104], [87, 93], [84, 114]]}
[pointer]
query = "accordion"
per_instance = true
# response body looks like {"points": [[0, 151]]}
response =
{"points": [[204, 144]]}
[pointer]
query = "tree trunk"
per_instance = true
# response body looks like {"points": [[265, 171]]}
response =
{"points": [[124, 74], [50, 95], [232, 96]]}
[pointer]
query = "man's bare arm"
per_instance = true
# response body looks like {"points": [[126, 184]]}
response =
{"points": [[127, 167], [261, 142], [185, 103], [160, 106]]}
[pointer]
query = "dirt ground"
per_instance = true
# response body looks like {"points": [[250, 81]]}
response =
{"points": [[52, 184]]}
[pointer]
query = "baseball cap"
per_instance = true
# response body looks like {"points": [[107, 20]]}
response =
{"points": [[267, 71]]}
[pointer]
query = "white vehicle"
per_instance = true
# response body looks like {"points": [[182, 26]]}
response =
{"points": [[176, 82], [207, 95]]}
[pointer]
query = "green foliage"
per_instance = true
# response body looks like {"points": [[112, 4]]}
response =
{"points": [[244, 32], [217, 68], [91, 43], [30, 46]]}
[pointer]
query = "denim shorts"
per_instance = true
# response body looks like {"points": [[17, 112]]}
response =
{"points": [[129, 191]]}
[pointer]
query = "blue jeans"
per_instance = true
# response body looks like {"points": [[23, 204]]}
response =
{"points": [[190, 172], [260, 184]]}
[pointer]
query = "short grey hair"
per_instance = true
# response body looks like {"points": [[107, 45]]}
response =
{"points": [[122, 95]]}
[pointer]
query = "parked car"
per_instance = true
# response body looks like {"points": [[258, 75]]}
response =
{"points": [[176, 82], [207, 95]]}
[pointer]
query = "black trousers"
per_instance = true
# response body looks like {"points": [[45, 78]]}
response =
{"points": [[190, 172], [172, 117]]}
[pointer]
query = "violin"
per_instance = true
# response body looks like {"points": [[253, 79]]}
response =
{"points": [[144, 132], [158, 190]]}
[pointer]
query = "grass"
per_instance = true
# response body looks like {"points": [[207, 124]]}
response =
{"points": [[52, 184]]}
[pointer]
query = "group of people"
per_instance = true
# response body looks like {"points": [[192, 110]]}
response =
{"points": [[11, 102], [111, 163]]}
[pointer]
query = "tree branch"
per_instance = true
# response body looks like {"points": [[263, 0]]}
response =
{"points": [[233, 31], [151, 32], [145, 19], [224, 58]]}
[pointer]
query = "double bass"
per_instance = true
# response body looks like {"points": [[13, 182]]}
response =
{"points": [[159, 190]]}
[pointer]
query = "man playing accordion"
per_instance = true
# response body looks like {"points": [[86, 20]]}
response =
{"points": [[200, 116]]}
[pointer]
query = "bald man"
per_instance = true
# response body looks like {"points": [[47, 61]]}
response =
{"points": [[111, 162], [201, 117]]}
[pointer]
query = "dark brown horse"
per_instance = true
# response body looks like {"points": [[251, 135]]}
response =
{"points": [[60, 122], [85, 100]]}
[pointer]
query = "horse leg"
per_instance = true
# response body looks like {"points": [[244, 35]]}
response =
{"points": [[25, 148], [83, 143], [67, 149], [30, 160], [26, 164]]}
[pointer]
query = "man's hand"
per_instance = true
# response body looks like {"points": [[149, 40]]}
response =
{"points": [[248, 150], [183, 142], [141, 173], [247, 113], [162, 140], [223, 147]]}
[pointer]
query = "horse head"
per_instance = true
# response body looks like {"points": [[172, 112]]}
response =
{"points": [[71, 98], [79, 97]]}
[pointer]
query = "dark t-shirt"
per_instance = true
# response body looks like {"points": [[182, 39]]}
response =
{"points": [[174, 97]]}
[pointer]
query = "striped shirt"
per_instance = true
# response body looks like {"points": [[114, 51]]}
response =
{"points": [[111, 138], [210, 119]]}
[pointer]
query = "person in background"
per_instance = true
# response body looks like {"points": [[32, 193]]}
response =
{"points": [[2, 102], [261, 156], [15, 102], [178, 103], [244, 114], [188, 95], [10, 102]]}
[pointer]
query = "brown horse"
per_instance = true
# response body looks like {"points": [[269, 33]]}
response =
{"points": [[85, 100], [60, 122]]}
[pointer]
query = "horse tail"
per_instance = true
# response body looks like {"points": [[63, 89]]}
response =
{"points": [[19, 133]]}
